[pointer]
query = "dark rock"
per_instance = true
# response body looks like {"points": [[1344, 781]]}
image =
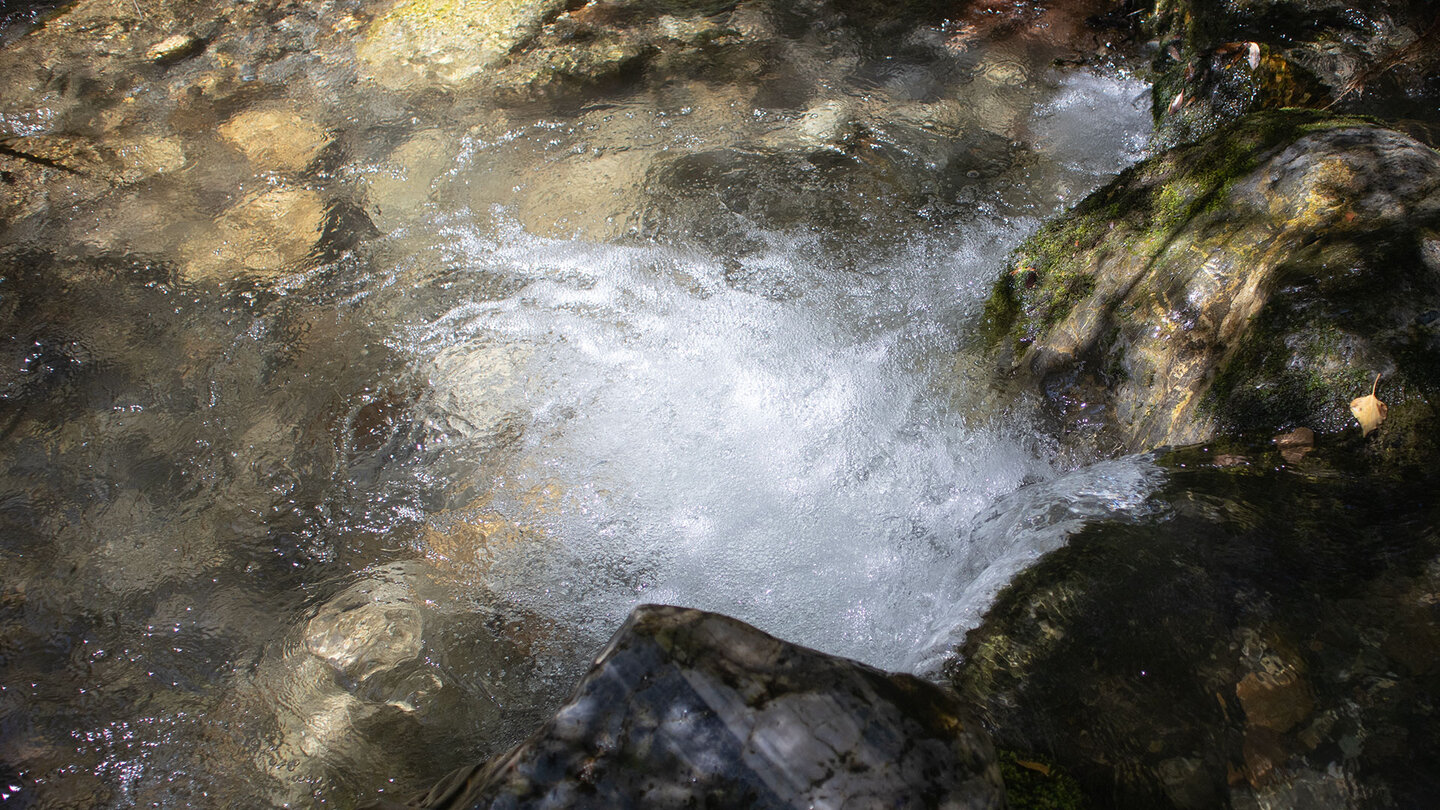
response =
{"points": [[1256, 281], [1220, 60], [693, 709], [1259, 635]]}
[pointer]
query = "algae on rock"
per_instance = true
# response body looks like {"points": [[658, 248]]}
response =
{"points": [[1219, 60], [1255, 281]]}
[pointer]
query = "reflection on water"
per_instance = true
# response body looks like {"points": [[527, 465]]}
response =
{"points": [[341, 428]]}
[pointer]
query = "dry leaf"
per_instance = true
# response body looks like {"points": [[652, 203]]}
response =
{"points": [[1295, 444], [1177, 102], [1369, 410], [1038, 767], [1254, 48]]}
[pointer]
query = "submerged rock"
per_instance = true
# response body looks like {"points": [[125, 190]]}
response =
{"points": [[397, 195], [174, 48], [367, 630], [863, 189], [450, 42], [262, 237], [1256, 281], [44, 173], [1260, 634], [687, 708], [275, 138]]}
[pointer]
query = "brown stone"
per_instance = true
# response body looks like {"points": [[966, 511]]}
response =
{"points": [[275, 138]]}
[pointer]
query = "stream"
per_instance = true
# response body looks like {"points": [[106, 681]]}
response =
{"points": [[333, 525]]}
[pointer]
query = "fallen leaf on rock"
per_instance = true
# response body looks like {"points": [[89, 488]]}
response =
{"points": [[1295, 444], [1254, 49], [1369, 410], [1038, 767], [1177, 102]]}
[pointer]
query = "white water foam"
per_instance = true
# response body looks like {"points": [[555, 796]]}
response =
{"points": [[788, 451]]}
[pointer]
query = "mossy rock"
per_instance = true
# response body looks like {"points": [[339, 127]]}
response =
{"points": [[1219, 60], [1253, 282], [1036, 782], [1260, 632]]}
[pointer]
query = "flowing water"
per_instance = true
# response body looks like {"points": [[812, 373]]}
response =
{"points": [[333, 531]]}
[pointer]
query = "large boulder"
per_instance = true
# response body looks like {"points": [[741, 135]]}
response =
{"points": [[1254, 282], [1258, 631], [693, 709]]}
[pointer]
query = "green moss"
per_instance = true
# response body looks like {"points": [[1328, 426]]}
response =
{"points": [[1002, 310], [1140, 213], [1047, 277], [1038, 784]]}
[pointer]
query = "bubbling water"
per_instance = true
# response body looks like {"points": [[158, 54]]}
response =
{"points": [[792, 462], [777, 434]]}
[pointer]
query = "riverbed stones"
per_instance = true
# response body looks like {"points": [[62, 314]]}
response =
{"points": [[367, 630], [1256, 282], [476, 394], [145, 156], [1261, 634], [174, 48], [686, 708], [397, 194], [51, 173], [449, 42]]}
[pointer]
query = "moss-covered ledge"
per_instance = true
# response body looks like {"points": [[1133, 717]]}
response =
{"points": [[1260, 634], [1252, 282]]}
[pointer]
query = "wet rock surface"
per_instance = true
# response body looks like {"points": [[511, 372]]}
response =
{"points": [[1217, 61], [275, 138], [1256, 281], [268, 234], [687, 708], [1260, 634]]}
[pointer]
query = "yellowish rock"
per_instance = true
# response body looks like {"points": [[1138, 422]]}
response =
{"points": [[275, 138], [173, 48], [264, 236], [398, 192], [148, 156], [447, 41], [1277, 700], [467, 543]]}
